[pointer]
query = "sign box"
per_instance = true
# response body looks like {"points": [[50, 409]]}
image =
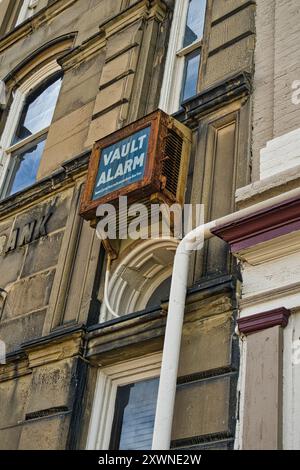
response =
{"points": [[136, 161]]}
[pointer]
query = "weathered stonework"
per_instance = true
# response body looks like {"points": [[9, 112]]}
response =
{"points": [[112, 55]]}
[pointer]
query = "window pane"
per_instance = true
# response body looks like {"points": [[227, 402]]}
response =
{"points": [[38, 110], [25, 168], [161, 294], [195, 21], [134, 416], [190, 77]]}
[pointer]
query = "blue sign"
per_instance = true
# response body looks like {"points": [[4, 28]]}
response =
{"points": [[122, 163]]}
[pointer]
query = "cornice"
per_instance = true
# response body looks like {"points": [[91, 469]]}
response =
{"points": [[264, 320], [29, 26], [55, 347], [238, 86], [142, 9], [128, 333], [270, 295], [63, 178], [274, 185], [61, 344], [16, 366], [271, 250], [46, 52], [138, 11], [83, 52], [264, 225], [131, 334], [158, 10]]}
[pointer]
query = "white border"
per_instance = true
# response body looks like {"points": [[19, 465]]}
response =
{"points": [[108, 380]]}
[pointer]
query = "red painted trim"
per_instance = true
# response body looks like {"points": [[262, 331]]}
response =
{"points": [[261, 226], [264, 320]]}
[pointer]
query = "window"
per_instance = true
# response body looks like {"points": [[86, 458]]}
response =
{"points": [[134, 416], [141, 279], [124, 405], [26, 144], [161, 294], [184, 54], [190, 76]]}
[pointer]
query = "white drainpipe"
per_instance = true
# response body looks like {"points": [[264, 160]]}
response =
{"points": [[173, 333]]}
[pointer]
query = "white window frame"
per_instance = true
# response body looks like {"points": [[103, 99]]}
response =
{"points": [[20, 95], [27, 10], [175, 61], [108, 380]]}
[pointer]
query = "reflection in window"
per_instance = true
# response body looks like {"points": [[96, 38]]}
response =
{"points": [[38, 111], [30, 137], [192, 44], [195, 22], [134, 416], [26, 167], [190, 77]]}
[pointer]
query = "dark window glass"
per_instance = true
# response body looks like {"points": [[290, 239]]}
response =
{"points": [[25, 168], [190, 76], [161, 294], [38, 111], [134, 416], [195, 21]]}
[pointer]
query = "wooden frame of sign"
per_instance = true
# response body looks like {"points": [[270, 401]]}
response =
{"points": [[152, 180]]}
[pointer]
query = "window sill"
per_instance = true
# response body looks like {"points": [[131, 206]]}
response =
{"points": [[46, 186]]}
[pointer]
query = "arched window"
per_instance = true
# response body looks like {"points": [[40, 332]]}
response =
{"points": [[142, 278], [24, 147]]}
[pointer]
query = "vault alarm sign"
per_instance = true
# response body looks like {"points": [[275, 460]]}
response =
{"points": [[146, 160], [122, 163]]}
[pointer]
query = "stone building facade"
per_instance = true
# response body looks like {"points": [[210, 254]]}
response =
{"points": [[72, 72]]}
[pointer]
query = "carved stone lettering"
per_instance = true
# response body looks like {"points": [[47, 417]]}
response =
{"points": [[3, 240], [41, 230], [25, 234], [12, 241]]}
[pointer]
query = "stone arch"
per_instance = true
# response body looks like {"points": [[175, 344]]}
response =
{"points": [[138, 274], [36, 61]]}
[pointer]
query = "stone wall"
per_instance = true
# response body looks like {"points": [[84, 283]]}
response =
{"points": [[30, 251], [112, 55]]}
